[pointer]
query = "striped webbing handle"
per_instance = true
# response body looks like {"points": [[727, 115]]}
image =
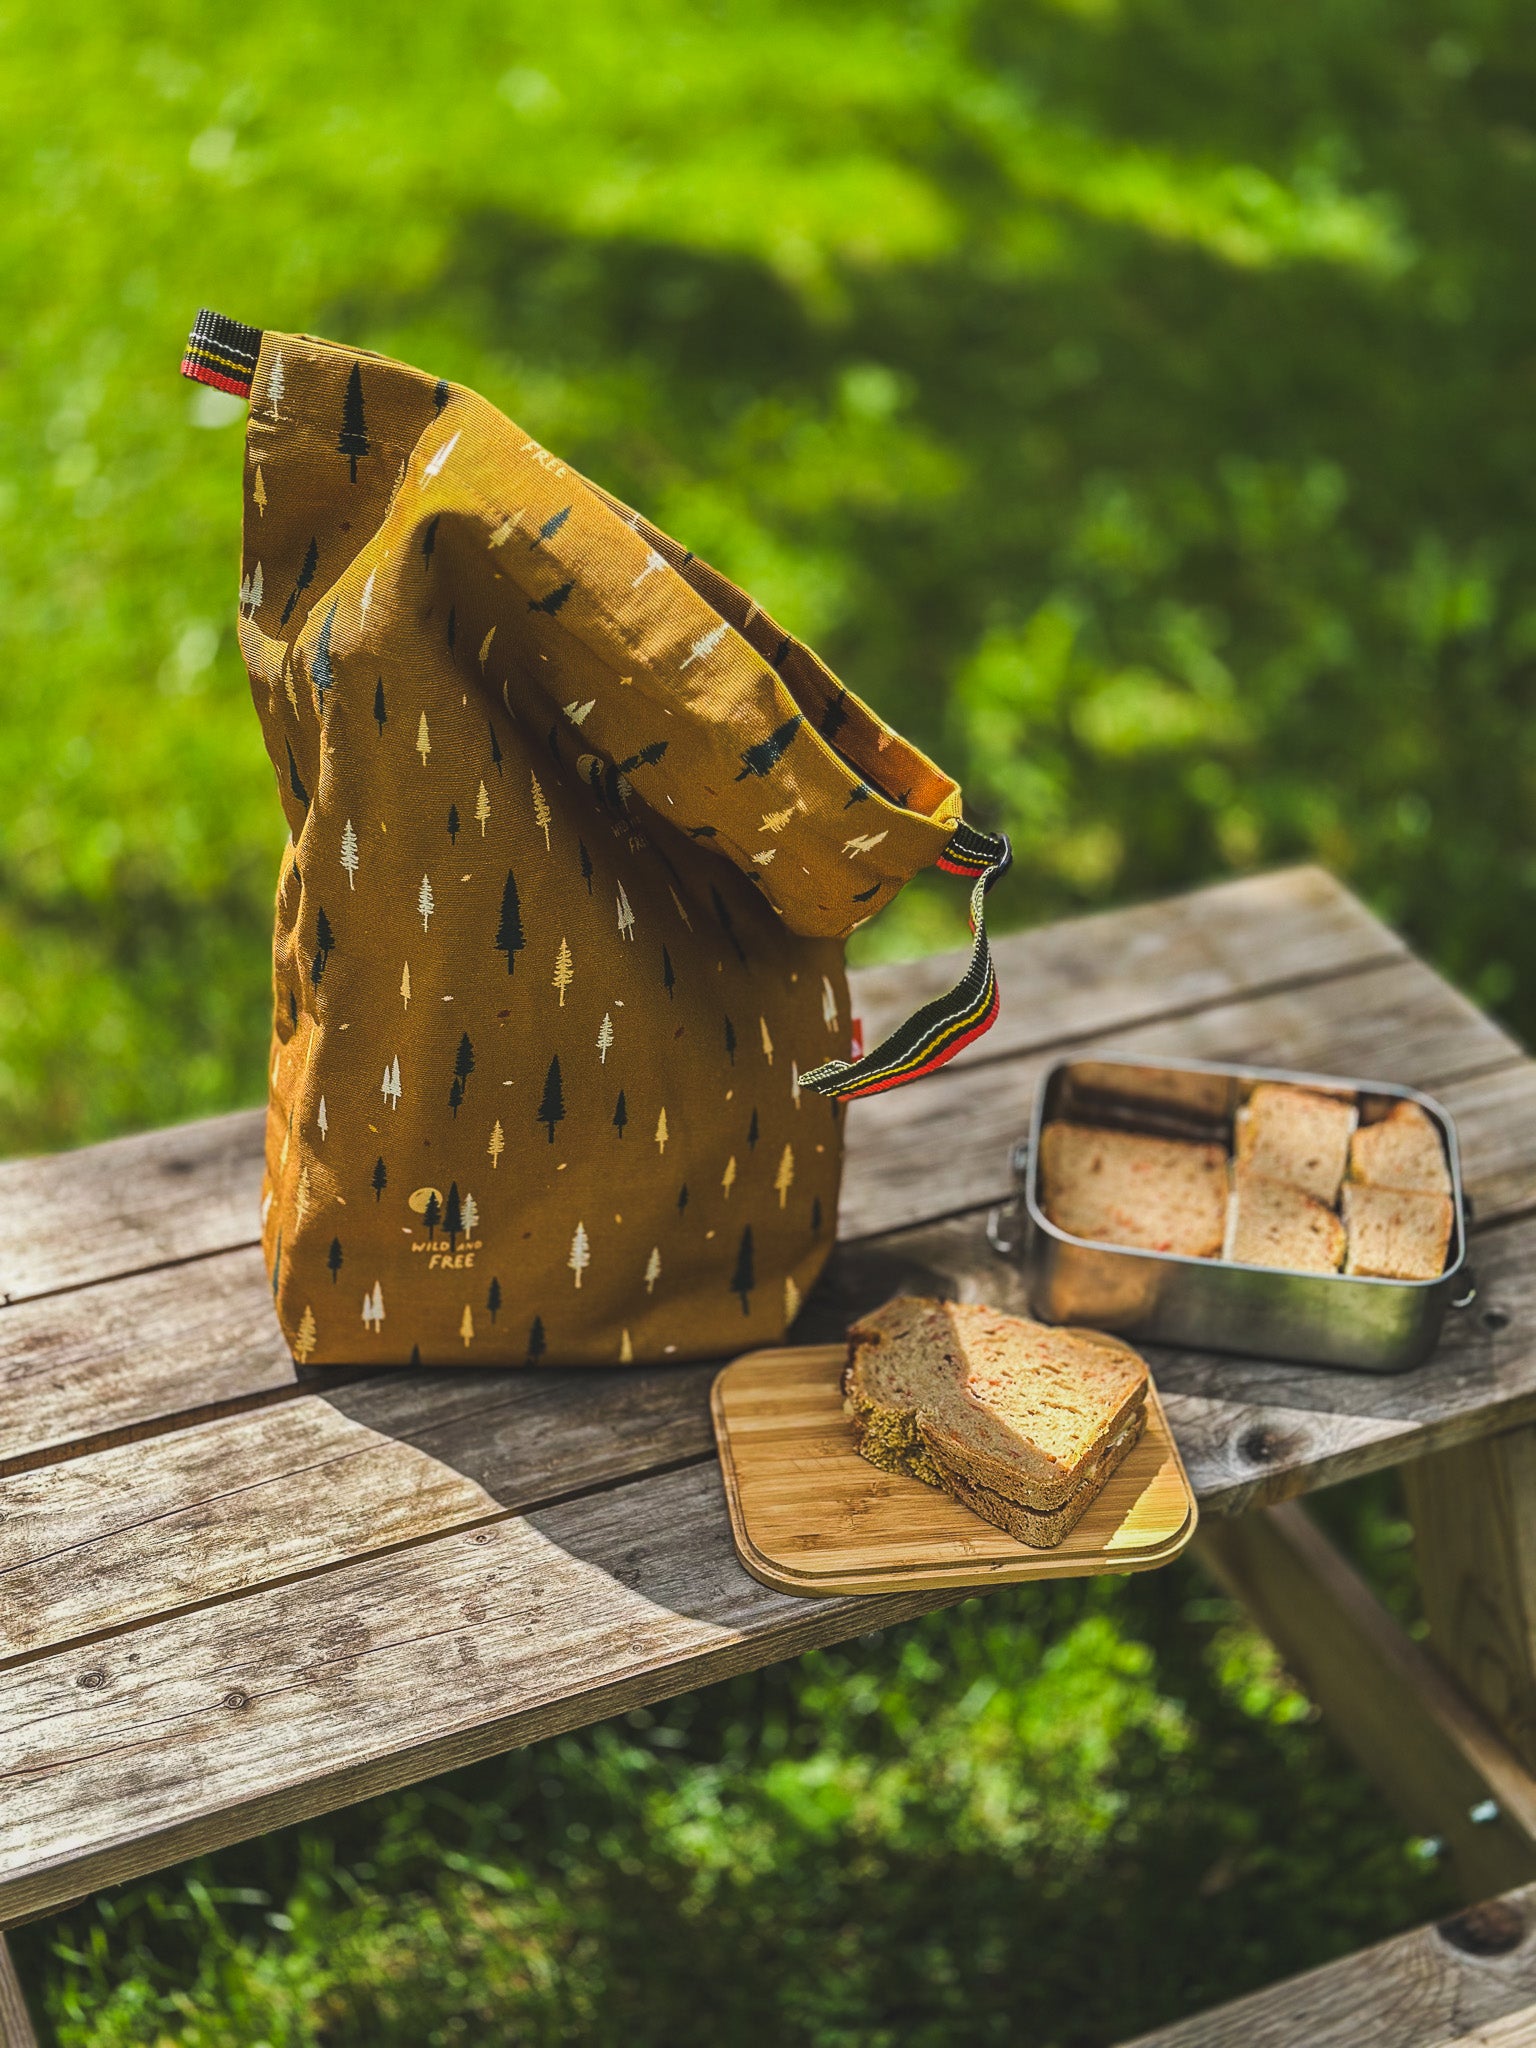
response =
{"points": [[937, 1031]]}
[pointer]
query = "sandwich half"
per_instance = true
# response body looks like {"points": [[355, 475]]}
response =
{"points": [[1021, 1421]]}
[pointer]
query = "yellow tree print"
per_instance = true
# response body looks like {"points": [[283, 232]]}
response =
{"points": [[467, 1326], [762, 1025], [304, 1342], [791, 1299], [783, 1180], [626, 1349], [259, 493], [482, 802], [423, 740], [541, 811], [498, 1144], [728, 1178], [653, 1269], [661, 1132], [405, 984], [565, 974]]}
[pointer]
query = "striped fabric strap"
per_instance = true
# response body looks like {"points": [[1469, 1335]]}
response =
{"points": [[936, 1032], [222, 352]]}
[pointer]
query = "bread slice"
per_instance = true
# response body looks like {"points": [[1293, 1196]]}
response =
{"points": [[1175, 1089], [1298, 1136], [1402, 1151], [1118, 1187], [1395, 1234], [1006, 1414], [1270, 1223]]}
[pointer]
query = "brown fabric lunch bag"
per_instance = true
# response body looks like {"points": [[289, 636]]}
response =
{"points": [[560, 1026]]}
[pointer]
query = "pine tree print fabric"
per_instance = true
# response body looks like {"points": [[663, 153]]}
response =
{"points": [[577, 833]]}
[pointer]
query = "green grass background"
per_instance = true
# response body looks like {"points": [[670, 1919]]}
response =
{"points": [[1134, 399]]}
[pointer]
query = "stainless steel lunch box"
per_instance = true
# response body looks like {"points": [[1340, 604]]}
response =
{"points": [[1216, 1304]]}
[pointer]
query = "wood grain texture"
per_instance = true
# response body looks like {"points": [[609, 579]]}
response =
{"points": [[125, 1755], [1473, 1509], [15, 2024], [191, 1190], [151, 1528], [809, 1515], [1411, 1730], [1471, 1981], [943, 1146]]}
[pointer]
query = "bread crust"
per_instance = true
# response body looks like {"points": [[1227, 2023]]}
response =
{"points": [[1044, 1531]]}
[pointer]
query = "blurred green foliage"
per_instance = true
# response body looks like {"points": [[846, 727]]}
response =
{"points": [[1133, 399]]}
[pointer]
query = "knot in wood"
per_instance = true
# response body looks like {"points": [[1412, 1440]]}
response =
{"points": [[235, 1700], [1264, 1446], [1494, 1319], [1490, 1929], [91, 1681]]}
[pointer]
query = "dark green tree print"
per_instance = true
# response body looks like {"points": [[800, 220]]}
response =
{"points": [[509, 933], [864, 895], [464, 1059], [549, 529], [429, 538], [493, 1298], [455, 1094], [551, 1109], [752, 1133], [551, 604], [440, 393], [293, 780], [857, 795], [816, 1216], [333, 1259], [730, 1041], [586, 863], [352, 441], [536, 1340], [325, 941], [682, 1198], [306, 576], [277, 1263], [321, 674], [835, 717], [724, 917], [453, 824], [766, 755], [453, 1215], [432, 1214], [380, 1178], [293, 1009], [381, 716], [620, 1114], [743, 1280], [415, 1354], [495, 747], [668, 978], [646, 758]]}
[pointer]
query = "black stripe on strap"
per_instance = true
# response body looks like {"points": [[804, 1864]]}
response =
{"points": [[933, 1035], [222, 352]]}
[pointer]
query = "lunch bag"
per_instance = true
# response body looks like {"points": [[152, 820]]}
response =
{"points": [[561, 1034]]}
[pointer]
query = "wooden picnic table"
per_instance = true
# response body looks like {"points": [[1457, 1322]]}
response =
{"points": [[235, 1594]]}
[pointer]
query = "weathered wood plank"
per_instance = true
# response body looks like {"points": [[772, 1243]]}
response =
{"points": [[202, 1513], [1410, 1729], [1123, 967], [103, 1361], [1470, 1981], [192, 1190], [120, 1757], [919, 1152], [15, 2025], [1473, 1509]]}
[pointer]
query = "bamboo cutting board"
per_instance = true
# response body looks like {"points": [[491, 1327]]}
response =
{"points": [[811, 1516]]}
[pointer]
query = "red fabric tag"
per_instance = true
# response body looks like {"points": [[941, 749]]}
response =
{"points": [[856, 1038]]}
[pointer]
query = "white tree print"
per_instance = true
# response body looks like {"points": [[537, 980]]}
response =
{"points": [[469, 1212], [791, 1300], [626, 916], [766, 857], [482, 808], [728, 1178], [775, 821], [865, 843], [304, 1342], [423, 740], [828, 1004], [661, 1132], [604, 1039], [301, 1199], [367, 598], [498, 1144], [349, 853], [373, 1308], [485, 648], [762, 1025], [392, 1083], [706, 643], [577, 712], [467, 1326], [581, 1253], [564, 973], [794, 1081], [653, 561], [435, 466], [784, 1179], [322, 1121], [653, 1269], [276, 386], [687, 920], [541, 811], [424, 902]]}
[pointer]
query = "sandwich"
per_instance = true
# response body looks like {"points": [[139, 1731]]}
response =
{"points": [[1021, 1421]]}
